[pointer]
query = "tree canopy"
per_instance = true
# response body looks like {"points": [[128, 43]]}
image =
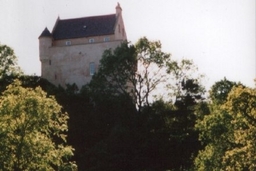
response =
{"points": [[142, 110], [33, 131], [228, 130], [144, 72], [8, 62], [241, 105], [132, 111]]}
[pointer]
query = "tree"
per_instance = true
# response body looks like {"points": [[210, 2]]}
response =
{"points": [[215, 134], [214, 126], [32, 131], [131, 70], [241, 105], [116, 68], [133, 117], [8, 62], [219, 91], [152, 63], [142, 71], [228, 130]]}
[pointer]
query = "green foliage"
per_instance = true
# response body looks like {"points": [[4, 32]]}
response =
{"points": [[228, 131], [32, 132], [121, 120], [151, 62], [133, 129], [143, 71], [241, 104], [183, 73], [131, 71], [8, 62], [219, 91], [115, 74], [215, 133], [215, 129], [31, 82]]}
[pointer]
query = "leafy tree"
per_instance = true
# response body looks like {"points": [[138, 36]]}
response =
{"points": [[215, 129], [215, 133], [152, 63], [32, 131], [241, 105], [9, 69], [30, 81], [182, 129], [130, 120], [184, 79], [141, 71], [227, 132], [129, 70], [112, 80], [219, 91], [8, 62]]}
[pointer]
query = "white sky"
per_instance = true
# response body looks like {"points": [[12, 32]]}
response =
{"points": [[219, 35]]}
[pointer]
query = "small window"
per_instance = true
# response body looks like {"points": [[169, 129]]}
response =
{"points": [[91, 40], [123, 31], [50, 62], [106, 39], [92, 68], [119, 30], [68, 43]]}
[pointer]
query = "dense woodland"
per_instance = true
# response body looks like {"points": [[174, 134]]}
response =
{"points": [[142, 110]]}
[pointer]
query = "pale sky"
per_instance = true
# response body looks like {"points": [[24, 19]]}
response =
{"points": [[219, 35]]}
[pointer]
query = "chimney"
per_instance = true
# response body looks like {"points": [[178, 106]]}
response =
{"points": [[118, 10]]}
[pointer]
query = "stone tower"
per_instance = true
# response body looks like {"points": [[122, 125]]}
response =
{"points": [[45, 42], [72, 51]]}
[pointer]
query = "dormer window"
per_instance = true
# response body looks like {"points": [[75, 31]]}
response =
{"points": [[106, 39], [91, 40], [68, 43]]}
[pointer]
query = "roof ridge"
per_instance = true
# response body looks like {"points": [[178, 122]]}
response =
{"points": [[87, 17]]}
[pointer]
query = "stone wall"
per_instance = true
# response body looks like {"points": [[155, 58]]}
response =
{"points": [[85, 40], [71, 64]]}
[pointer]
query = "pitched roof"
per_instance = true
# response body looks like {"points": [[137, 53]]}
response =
{"points": [[84, 27], [45, 33]]}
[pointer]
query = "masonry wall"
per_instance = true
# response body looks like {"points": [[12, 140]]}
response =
{"points": [[71, 64], [79, 41]]}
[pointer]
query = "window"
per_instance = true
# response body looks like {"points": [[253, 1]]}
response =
{"points": [[106, 39], [92, 68], [68, 43], [91, 40], [50, 62], [123, 31], [119, 30]]}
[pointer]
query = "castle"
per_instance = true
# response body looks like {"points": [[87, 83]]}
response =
{"points": [[71, 53]]}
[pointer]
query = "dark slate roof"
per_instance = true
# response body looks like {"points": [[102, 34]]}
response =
{"points": [[84, 27], [45, 33]]}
